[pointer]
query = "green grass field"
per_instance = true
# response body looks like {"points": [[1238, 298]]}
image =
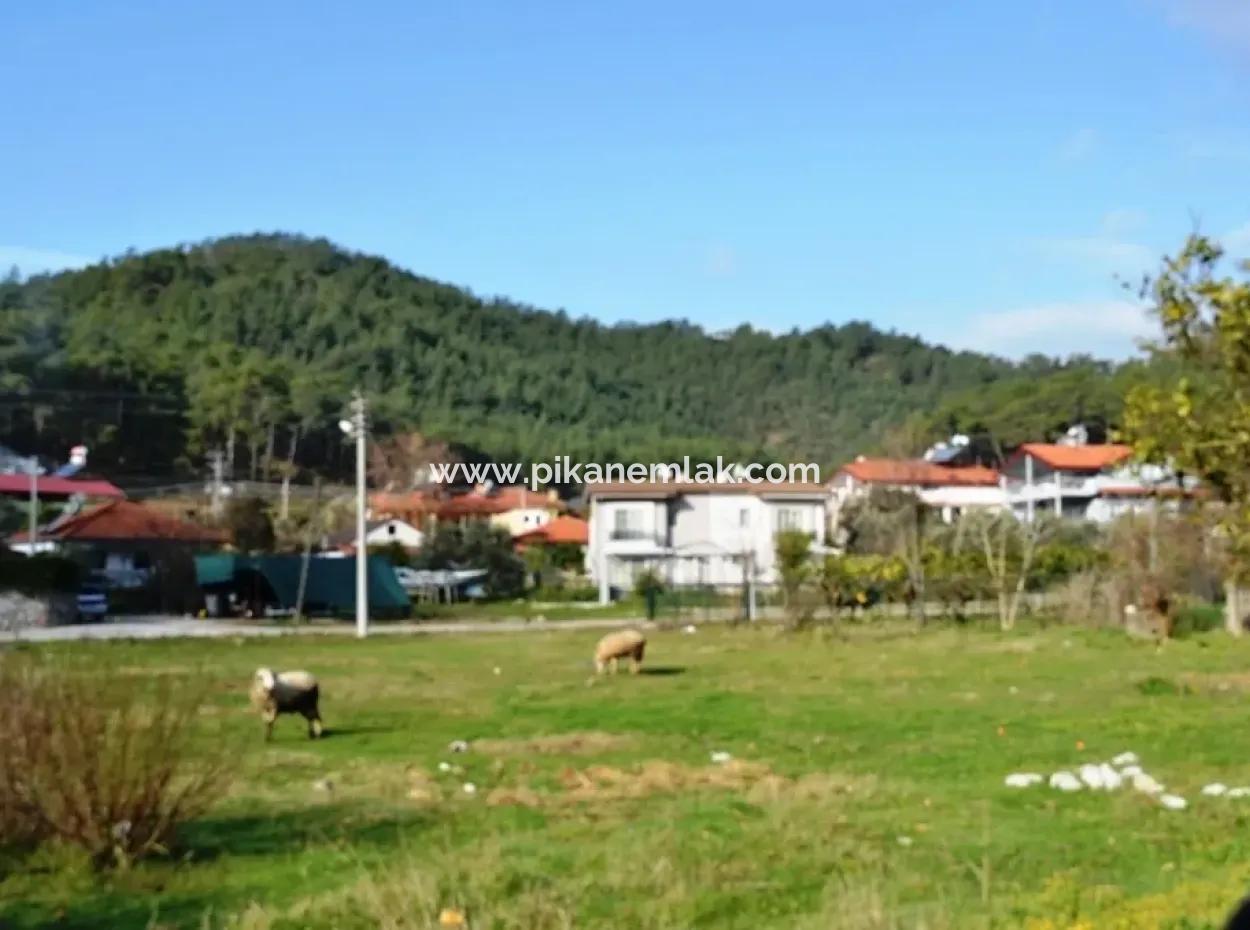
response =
{"points": [[866, 787]]}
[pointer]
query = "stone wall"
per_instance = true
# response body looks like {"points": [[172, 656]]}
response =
{"points": [[22, 612]]}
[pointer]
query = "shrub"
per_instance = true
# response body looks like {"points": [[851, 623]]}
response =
{"points": [[108, 769], [648, 580], [38, 574]]}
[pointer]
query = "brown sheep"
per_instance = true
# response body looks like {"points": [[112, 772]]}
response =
{"points": [[615, 646], [295, 692]]}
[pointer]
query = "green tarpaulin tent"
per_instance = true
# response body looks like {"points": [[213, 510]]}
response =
{"points": [[330, 588]]}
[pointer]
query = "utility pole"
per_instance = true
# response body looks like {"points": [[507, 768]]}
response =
{"points": [[360, 425]]}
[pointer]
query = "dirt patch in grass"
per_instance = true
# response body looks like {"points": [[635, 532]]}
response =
{"points": [[1217, 683], [557, 744], [754, 780]]}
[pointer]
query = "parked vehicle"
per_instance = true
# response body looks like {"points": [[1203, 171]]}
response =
{"points": [[93, 602]]}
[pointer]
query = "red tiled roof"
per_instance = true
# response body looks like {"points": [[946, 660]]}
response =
{"points": [[919, 473], [476, 503], [50, 486], [664, 489], [127, 520], [563, 529], [412, 502], [1075, 458], [472, 504]]}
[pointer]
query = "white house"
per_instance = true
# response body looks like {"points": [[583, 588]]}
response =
{"points": [[1090, 482], [696, 534], [382, 533], [950, 489]]}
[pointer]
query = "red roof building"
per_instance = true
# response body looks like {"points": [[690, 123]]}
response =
{"points": [[1071, 458], [918, 473], [123, 520], [564, 529]]}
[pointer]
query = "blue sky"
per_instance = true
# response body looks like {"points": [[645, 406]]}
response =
{"points": [[975, 172]]}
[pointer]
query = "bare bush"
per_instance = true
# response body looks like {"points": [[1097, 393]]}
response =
{"points": [[110, 769]]}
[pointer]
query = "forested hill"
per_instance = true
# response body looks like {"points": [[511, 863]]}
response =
{"points": [[154, 358]]}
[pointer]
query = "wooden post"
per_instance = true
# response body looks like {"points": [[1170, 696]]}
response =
{"points": [[1234, 612]]}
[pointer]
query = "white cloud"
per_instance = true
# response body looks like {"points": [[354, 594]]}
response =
{"points": [[1103, 328], [1225, 21], [35, 261], [1079, 146], [1103, 253]]}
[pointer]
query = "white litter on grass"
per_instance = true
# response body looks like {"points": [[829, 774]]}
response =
{"points": [[1023, 780], [689, 628], [470, 788], [458, 745], [1065, 781], [1238, 793], [720, 757], [1126, 758], [444, 766], [904, 840], [1130, 770], [1100, 777], [1146, 784], [1215, 790], [1173, 802]]}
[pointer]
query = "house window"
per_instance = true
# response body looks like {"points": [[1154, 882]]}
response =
{"points": [[627, 524], [789, 518]]}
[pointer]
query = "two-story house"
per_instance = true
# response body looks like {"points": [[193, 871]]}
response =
{"points": [[948, 489], [696, 534]]}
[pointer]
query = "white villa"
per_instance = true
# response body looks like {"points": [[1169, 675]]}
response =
{"points": [[1090, 482], [696, 534]]}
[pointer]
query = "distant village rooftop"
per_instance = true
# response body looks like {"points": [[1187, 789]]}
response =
{"points": [[919, 473]]}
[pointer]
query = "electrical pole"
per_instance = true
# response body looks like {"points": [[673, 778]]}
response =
{"points": [[360, 427]]}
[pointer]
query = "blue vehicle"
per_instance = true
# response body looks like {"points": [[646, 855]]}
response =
{"points": [[93, 602]]}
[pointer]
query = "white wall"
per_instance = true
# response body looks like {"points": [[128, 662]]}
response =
{"points": [[395, 531]]}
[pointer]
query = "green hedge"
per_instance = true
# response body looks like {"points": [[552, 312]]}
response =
{"points": [[38, 574]]}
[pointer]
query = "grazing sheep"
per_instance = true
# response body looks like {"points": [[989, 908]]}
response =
{"points": [[286, 693], [625, 644]]}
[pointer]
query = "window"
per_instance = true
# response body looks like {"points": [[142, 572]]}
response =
{"points": [[627, 523], [789, 518]]}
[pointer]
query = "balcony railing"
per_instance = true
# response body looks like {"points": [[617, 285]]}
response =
{"points": [[627, 533], [627, 538]]}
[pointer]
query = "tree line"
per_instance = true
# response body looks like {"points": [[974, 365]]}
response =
{"points": [[253, 345]]}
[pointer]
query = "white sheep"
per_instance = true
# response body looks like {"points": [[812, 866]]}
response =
{"points": [[624, 644], [295, 692]]}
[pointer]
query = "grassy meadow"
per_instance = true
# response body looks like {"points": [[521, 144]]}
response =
{"points": [[865, 788]]}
